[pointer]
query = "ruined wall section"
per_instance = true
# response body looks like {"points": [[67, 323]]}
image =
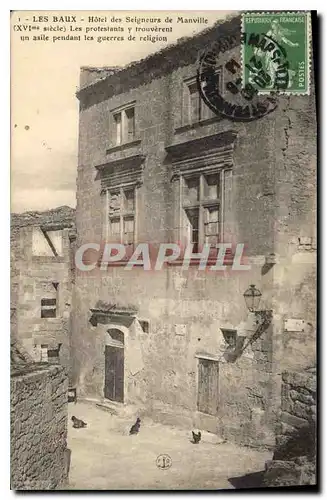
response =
{"points": [[32, 274], [39, 428]]}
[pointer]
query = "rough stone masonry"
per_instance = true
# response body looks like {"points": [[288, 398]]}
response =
{"points": [[294, 460], [39, 427]]}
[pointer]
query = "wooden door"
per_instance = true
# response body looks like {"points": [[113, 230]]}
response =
{"points": [[114, 373], [208, 386]]}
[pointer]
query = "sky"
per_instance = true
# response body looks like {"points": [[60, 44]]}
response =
{"points": [[44, 108]]}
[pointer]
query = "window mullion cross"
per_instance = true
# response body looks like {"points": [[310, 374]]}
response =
{"points": [[123, 126], [221, 205], [121, 218], [134, 217], [201, 221], [200, 108], [107, 228]]}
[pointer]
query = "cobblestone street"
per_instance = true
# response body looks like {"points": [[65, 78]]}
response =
{"points": [[104, 456]]}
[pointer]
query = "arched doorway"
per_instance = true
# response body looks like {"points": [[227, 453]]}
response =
{"points": [[114, 366]]}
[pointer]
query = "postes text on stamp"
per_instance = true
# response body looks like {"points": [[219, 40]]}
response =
{"points": [[276, 52]]}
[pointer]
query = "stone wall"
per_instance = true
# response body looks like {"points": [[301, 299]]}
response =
{"points": [[33, 273], [298, 405], [294, 459], [39, 427]]}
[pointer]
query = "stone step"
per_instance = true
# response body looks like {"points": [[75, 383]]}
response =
{"points": [[120, 409], [108, 407]]}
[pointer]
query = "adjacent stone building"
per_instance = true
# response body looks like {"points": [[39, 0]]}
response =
{"points": [[155, 165], [42, 276]]}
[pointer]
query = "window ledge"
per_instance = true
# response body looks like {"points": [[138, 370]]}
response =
{"points": [[121, 263], [201, 123], [122, 147], [196, 262], [54, 321], [204, 355], [44, 259], [178, 262]]}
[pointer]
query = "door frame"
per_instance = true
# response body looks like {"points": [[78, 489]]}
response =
{"points": [[124, 330], [199, 357], [115, 356]]}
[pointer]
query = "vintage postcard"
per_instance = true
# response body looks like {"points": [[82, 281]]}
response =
{"points": [[163, 250]]}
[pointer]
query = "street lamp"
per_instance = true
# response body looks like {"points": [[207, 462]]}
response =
{"points": [[252, 298]]}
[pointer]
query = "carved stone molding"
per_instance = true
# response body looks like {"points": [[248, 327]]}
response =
{"points": [[121, 172], [104, 313], [207, 154]]}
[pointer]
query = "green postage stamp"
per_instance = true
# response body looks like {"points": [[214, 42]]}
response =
{"points": [[276, 52]]}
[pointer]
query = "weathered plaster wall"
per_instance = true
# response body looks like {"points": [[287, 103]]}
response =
{"points": [[294, 277], [39, 428]]}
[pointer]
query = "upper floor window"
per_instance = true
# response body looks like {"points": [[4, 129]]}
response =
{"points": [[124, 123], [195, 108], [121, 220], [201, 204]]}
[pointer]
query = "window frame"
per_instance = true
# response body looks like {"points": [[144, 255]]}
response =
{"points": [[123, 137], [54, 306], [202, 204], [122, 214], [46, 307], [204, 112]]}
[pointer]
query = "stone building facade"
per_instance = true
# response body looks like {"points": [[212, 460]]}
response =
{"points": [[41, 282], [156, 166]]}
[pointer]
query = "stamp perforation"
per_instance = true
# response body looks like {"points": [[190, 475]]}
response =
{"points": [[307, 49]]}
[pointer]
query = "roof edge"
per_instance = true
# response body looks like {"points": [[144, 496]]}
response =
{"points": [[182, 53]]}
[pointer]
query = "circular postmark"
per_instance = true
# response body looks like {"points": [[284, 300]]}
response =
{"points": [[164, 461], [223, 88], [265, 66]]}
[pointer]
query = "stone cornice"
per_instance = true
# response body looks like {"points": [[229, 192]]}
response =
{"points": [[194, 147], [105, 316], [126, 161], [122, 171], [207, 154]]}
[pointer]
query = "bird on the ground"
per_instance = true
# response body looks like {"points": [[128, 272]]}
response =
{"points": [[77, 423], [135, 427], [196, 437]]}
